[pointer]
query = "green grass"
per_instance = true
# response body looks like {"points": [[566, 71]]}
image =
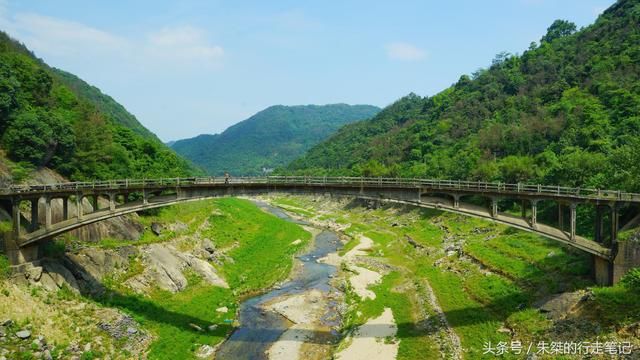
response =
{"points": [[470, 319], [414, 342], [261, 252], [352, 243]]}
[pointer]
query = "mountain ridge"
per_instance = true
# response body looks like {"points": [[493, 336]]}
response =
{"points": [[270, 138], [561, 113]]}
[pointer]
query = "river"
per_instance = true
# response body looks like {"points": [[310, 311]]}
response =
{"points": [[260, 328]]}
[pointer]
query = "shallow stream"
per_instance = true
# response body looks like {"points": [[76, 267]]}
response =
{"points": [[260, 328]]}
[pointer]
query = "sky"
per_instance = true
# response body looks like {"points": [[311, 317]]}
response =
{"points": [[190, 67]]}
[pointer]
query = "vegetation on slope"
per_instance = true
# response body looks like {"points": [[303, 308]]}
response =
{"points": [[271, 138], [489, 281], [260, 254], [566, 111], [49, 118]]}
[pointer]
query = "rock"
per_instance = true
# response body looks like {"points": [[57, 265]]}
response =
{"points": [[6, 322], [504, 330], [156, 228], [212, 327], [47, 282], [167, 266], [23, 334], [61, 275], [558, 306], [551, 254], [296, 242], [195, 327], [451, 253], [223, 309], [87, 347], [208, 245], [179, 226], [46, 355], [205, 351], [35, 273], [132, 330]]}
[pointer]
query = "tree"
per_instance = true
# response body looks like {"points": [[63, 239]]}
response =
{"points": [[558, 29], [40, 138]]}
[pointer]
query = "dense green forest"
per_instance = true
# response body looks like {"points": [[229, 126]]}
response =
{"points": [[273, 137], [50, 118], [566, 111]]}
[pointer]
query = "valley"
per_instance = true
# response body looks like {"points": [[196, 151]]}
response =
{"points": [[405, 283], [495, 217]]}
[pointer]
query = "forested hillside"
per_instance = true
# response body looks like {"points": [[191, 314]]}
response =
{"points": [[271, 138], [566, 111], [49, 118]]}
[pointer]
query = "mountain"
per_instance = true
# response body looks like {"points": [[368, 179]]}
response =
{"points": [[51, 118], [566, 111], [271, 138]]}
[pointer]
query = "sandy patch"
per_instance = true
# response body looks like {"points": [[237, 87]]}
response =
{"points": [[334, 259], [289, 344], [368, 341], [301, 308], [305, 311], [363, 280]]}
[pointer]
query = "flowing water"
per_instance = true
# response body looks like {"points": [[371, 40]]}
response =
{"points": [[259, 328]]}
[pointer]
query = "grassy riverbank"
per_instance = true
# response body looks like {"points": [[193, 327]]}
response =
{"points": [[486, 278], [258, 248]]}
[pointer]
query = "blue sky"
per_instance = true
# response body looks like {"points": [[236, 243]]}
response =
{"points": [[195, 66]]}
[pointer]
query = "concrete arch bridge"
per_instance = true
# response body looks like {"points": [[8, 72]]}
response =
{"points": [[478, 199]]}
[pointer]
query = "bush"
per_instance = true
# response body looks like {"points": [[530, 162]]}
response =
{"points": [[632, 280], [4, 267]]}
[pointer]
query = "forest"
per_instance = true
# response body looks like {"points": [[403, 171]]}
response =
{"points": [[49, 118], [566, 111]]}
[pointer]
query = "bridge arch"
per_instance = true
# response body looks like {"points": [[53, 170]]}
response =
{"points": [[467, 198]]}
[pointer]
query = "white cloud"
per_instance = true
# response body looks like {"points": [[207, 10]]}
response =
{"points": [[59, 37], [405, 52], [184, 43], [176, 48]]}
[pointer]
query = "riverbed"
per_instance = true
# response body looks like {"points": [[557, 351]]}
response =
{"points": [[301, 311]]}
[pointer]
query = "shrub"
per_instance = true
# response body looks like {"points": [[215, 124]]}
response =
{"points": [[4, 267], [632, 280]]}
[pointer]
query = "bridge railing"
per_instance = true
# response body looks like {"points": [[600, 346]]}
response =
{"points": [[324, 180]]}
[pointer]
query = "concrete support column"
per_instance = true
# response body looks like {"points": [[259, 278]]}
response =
{"points": [[65, 208], [79, 208], [94, 202], [602, 271], [572, 232], [15, 215], [523, 209], [614, 223], [494, 207], [560, 217], [34, 215], [599, 233], [145, 197], [47, 212], [534, 213], [112, 201], [456, 201]]}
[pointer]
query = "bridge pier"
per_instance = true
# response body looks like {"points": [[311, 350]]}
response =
{"points": [[534, 213], [47, 213], [572, 221], [16, 254], [494, 207], [65, 208], [112, 201], [79, 208], [34, 215]]}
